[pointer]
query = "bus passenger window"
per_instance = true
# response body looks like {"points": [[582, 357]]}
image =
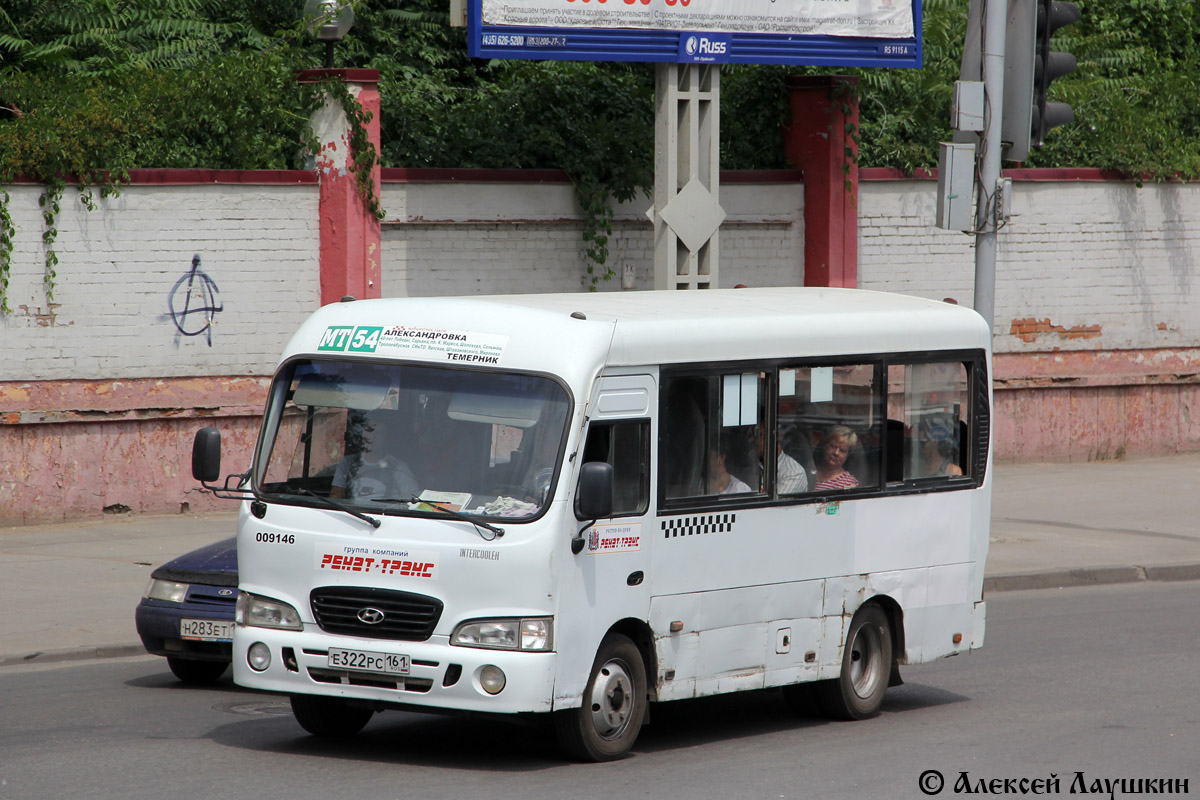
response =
{"points": [[625, 445], [712, 434], [827, 426], [927, 420]]}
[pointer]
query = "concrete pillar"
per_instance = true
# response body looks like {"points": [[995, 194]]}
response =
{"points": [[687, 213], [816, 142], [350, 233]]}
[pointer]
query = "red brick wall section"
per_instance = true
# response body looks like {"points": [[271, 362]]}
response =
{"points": [[80, 449]]}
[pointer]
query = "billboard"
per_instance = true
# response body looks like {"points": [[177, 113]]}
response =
{"points": [[847, 33]]}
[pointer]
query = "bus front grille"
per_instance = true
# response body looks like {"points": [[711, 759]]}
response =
{"points": [[375, 613]]}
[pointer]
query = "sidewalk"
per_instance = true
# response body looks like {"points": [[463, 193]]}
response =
{"points": [[69, 590]]}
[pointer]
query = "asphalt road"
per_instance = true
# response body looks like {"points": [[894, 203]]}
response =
{"points": [[1100, 681]]}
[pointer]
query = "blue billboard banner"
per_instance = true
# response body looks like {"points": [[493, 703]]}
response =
{"points": [[845, 33]]}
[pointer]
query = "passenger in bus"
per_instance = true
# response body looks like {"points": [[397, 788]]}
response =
{"points": [[833, 450], [721, 480], [790, 477], [372, 468], [938, 442]]}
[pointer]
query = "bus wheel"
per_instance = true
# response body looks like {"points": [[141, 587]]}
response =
{"points": [[614, 705], [866, 665], [329, 717]]}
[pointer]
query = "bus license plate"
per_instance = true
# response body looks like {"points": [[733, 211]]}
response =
{"points": [[206, 630], [368, 661]]}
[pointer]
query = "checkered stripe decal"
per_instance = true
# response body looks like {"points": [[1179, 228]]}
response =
{"points": [[705, 523]]}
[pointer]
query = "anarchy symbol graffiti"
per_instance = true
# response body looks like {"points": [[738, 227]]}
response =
{"points": [[199, 303]]}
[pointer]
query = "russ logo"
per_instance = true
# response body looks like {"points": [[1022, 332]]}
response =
{"points": [[704, 47]]}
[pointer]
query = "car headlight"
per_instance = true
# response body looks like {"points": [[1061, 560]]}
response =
{"points": [[531, 633], [261, 612], [165, 590]]}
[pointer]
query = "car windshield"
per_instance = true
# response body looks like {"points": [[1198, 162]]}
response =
{"points": [[388, 438]]}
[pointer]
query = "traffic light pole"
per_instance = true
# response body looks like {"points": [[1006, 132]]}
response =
{"points": [[994, 25]]}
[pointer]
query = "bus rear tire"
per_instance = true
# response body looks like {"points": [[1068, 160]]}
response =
{"points": [[608, 722], [329, 717], [866, 666]]}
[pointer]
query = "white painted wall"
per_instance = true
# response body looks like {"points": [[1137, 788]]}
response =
{"points": [[118, 268], [1102, 266], [457, 238], [1076, 255]]}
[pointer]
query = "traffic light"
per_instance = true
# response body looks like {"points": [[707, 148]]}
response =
{"points": [[1027, 114], [1049, 65]]}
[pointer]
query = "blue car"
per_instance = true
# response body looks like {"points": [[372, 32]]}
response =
{"points": [[186, 612]]}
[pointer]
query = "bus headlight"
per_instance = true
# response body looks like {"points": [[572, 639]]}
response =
{"points": [[261, 612], [530, 633]]}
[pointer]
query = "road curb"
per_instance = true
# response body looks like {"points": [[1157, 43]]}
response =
{"points": [[73, 654], [1089, 576]]}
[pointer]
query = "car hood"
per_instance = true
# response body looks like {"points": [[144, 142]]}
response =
{"points": [[214, 564]]}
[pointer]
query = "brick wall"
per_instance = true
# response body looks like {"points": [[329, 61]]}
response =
{"points": [[102, 390], [475, 233], [123, 267], [1098, 324], [1097, 310]]}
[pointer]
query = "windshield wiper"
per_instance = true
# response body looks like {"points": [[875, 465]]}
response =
{"points": [[334, 504], [496, 531]]}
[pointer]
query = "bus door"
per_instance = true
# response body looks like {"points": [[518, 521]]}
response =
{"points": [[616, 550]]}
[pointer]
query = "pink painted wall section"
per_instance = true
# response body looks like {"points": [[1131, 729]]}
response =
{"points": [[350, 234], [1096, 405], [79, 449]]}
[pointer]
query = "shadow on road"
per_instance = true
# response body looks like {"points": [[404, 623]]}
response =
{"points": [[487, 744]]}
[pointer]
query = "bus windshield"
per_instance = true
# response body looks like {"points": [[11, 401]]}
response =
{"points": [[397, 439]]}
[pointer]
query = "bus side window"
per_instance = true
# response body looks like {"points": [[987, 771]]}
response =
{"points": [[820, 403], [713, 429], [625, 445], [929, 403]]}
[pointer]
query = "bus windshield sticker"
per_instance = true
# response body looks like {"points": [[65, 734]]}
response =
{"points": [[427, 344]]}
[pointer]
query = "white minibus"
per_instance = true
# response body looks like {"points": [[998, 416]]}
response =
{"points": [[575, 505]]}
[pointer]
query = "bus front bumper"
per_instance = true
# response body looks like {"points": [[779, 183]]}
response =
{"points": [[439, 676]]}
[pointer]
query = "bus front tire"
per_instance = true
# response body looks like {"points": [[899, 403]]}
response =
{"points": [[866, 666], [614, 705], [329, 717]]}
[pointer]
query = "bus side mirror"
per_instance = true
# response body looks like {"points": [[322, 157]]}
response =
{"points": [[206, 455], [595, 496]]}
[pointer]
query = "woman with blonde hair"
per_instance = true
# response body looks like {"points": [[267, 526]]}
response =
{"points": [[835, 447]]}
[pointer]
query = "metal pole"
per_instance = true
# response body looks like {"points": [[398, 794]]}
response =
{"points": [[994, 23]]}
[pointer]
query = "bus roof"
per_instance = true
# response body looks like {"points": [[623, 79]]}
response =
{"points": [[544, 332]]}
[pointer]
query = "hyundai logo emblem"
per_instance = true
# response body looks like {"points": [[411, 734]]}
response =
{"points": [[370, 616]]}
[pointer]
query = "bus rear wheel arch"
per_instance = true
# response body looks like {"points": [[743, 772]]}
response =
{"points": [[867, 665]]}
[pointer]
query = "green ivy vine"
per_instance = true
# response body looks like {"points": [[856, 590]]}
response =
{"points": [[7, 232], [49, 203], [843, 96], [363, 155]]}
